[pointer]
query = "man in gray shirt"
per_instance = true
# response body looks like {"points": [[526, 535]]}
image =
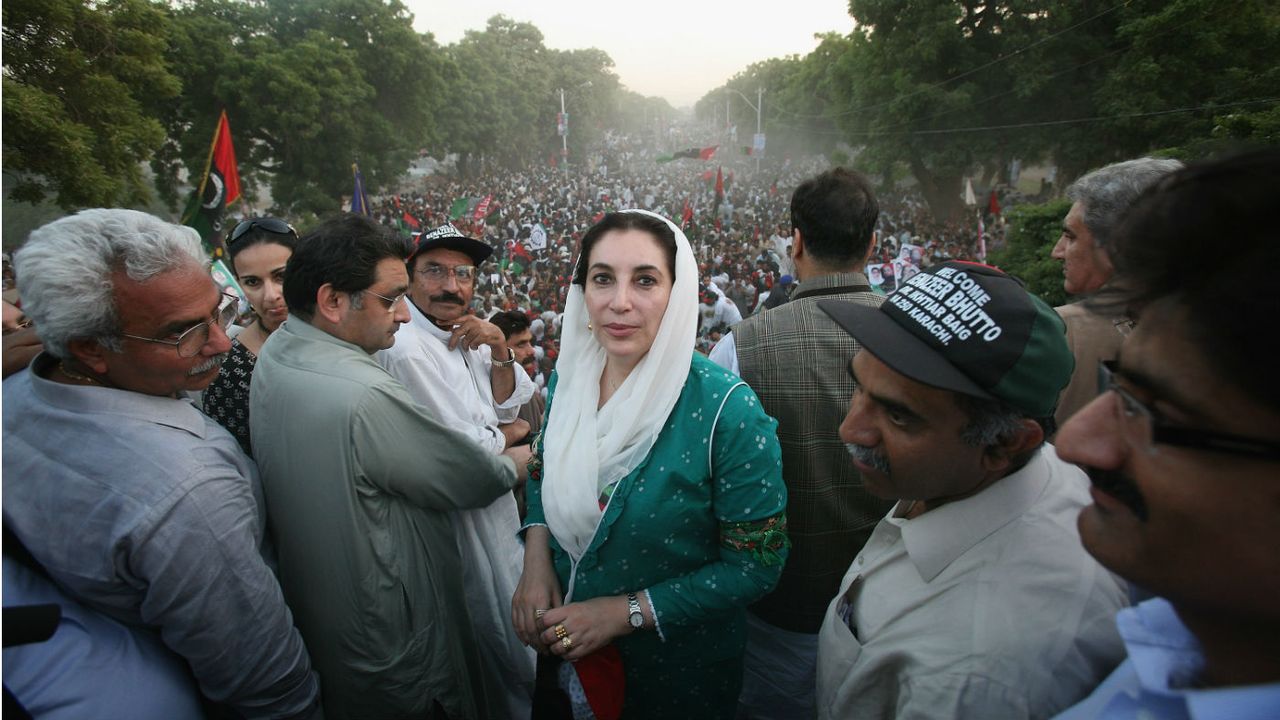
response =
{"points": [[131, 499]]}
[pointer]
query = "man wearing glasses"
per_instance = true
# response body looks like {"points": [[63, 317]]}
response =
{"points": [[361, 482], [1182, 446], [460, 367], [134, 502], [972, 598]]}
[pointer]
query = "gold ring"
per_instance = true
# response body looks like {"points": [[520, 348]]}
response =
{"points": [[561, 633], [567, 642]]}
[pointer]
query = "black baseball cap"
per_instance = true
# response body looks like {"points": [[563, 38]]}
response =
{"points": [[967, 328], [450, 238]]}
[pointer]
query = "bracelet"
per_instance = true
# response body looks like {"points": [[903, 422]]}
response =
{"points": [[511, 359]]}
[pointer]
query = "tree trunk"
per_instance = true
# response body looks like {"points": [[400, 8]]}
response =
{"points": [[942, 192]]}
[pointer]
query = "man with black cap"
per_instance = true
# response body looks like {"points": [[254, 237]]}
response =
{"points": [[460, 367], [973, 597]]}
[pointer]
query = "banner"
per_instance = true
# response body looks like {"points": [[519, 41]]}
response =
{"points": [[482, 208]]}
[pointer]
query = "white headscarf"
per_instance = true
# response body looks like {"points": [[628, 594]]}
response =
{"points": [[585, 450]]}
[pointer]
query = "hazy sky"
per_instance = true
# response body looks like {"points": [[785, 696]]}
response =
{"points": [[673, 49]]}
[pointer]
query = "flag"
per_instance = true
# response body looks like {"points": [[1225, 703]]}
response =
{"points": [[458, 208], [520, 259], [664, 158], [482, 208], [538, 237], [969, 198], [982, 241], [359, 200], [219, 187], [686, 215], [719, 185], [707, 153], [993, 204], [411, 221], [708, 176], [747, 150]]}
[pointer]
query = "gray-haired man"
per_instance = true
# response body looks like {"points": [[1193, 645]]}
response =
{"points": [[1100, 201], [136, 503]]}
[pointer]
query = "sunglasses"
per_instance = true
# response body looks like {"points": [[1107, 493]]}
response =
{"points": [[270, 224]]}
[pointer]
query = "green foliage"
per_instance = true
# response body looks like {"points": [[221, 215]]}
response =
{"points": [[94, 89], [79, 79], [309, 88], [503, 95], [1033, 231], [956, 88]]}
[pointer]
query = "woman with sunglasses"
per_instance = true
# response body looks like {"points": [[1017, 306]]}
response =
{"points": [[258, 248]]}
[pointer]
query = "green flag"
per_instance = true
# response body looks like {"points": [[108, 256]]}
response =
{"points": [[458, 208]]}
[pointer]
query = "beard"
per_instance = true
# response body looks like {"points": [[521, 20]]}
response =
{"points": [[1121, 487], [867, 456]]}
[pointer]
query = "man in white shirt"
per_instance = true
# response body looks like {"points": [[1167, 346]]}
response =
{"points": [[972, 599], [716, 310], [460, 367], [1182, 446]]}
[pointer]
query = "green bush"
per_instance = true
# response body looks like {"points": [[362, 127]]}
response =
{"points": [[1033, 230]]}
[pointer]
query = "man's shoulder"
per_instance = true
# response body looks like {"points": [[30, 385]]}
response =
{"points": [[795, 322]]}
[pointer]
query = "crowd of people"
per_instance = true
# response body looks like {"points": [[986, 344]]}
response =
{"points": [[638, 444]]}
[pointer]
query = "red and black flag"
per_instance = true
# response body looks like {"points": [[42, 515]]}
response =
{"points": [[219, 187]]}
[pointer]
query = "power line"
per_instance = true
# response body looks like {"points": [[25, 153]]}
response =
{"points": [[989, 98], [1043, 123]]}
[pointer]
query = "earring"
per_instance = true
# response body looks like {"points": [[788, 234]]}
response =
{"points": [[589, 327]]}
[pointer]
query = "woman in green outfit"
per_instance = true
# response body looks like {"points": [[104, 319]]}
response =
{"points": [[656, 501]]}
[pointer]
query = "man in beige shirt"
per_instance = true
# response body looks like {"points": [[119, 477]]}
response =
{"points": [[1100, 201]]}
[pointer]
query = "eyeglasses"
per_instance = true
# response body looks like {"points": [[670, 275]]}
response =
{"points": [[270, 224], [194, 338], [437, 273], [391, 302], [1151, 428]]}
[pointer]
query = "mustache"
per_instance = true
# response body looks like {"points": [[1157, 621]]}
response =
{"points": [[867, 456], [1121, 487], [449, 298], [207, 365]]}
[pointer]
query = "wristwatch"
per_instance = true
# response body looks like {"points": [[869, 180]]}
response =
{"points": [[636, 618], [511, 359]]}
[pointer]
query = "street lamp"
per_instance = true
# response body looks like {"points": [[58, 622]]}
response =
{"points": [[757, 106], [564, 127]]}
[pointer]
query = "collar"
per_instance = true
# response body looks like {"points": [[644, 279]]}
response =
{"points": [[419, 320], [831, 282], [1168, 659], [303, 330], [935, 539], [179, 413]]}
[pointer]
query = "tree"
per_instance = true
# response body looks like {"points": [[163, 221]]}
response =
{"points": [[309, 87], [79, 81]]}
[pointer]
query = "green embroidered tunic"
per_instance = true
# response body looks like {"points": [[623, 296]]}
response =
{"points": [[700, 526]]}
